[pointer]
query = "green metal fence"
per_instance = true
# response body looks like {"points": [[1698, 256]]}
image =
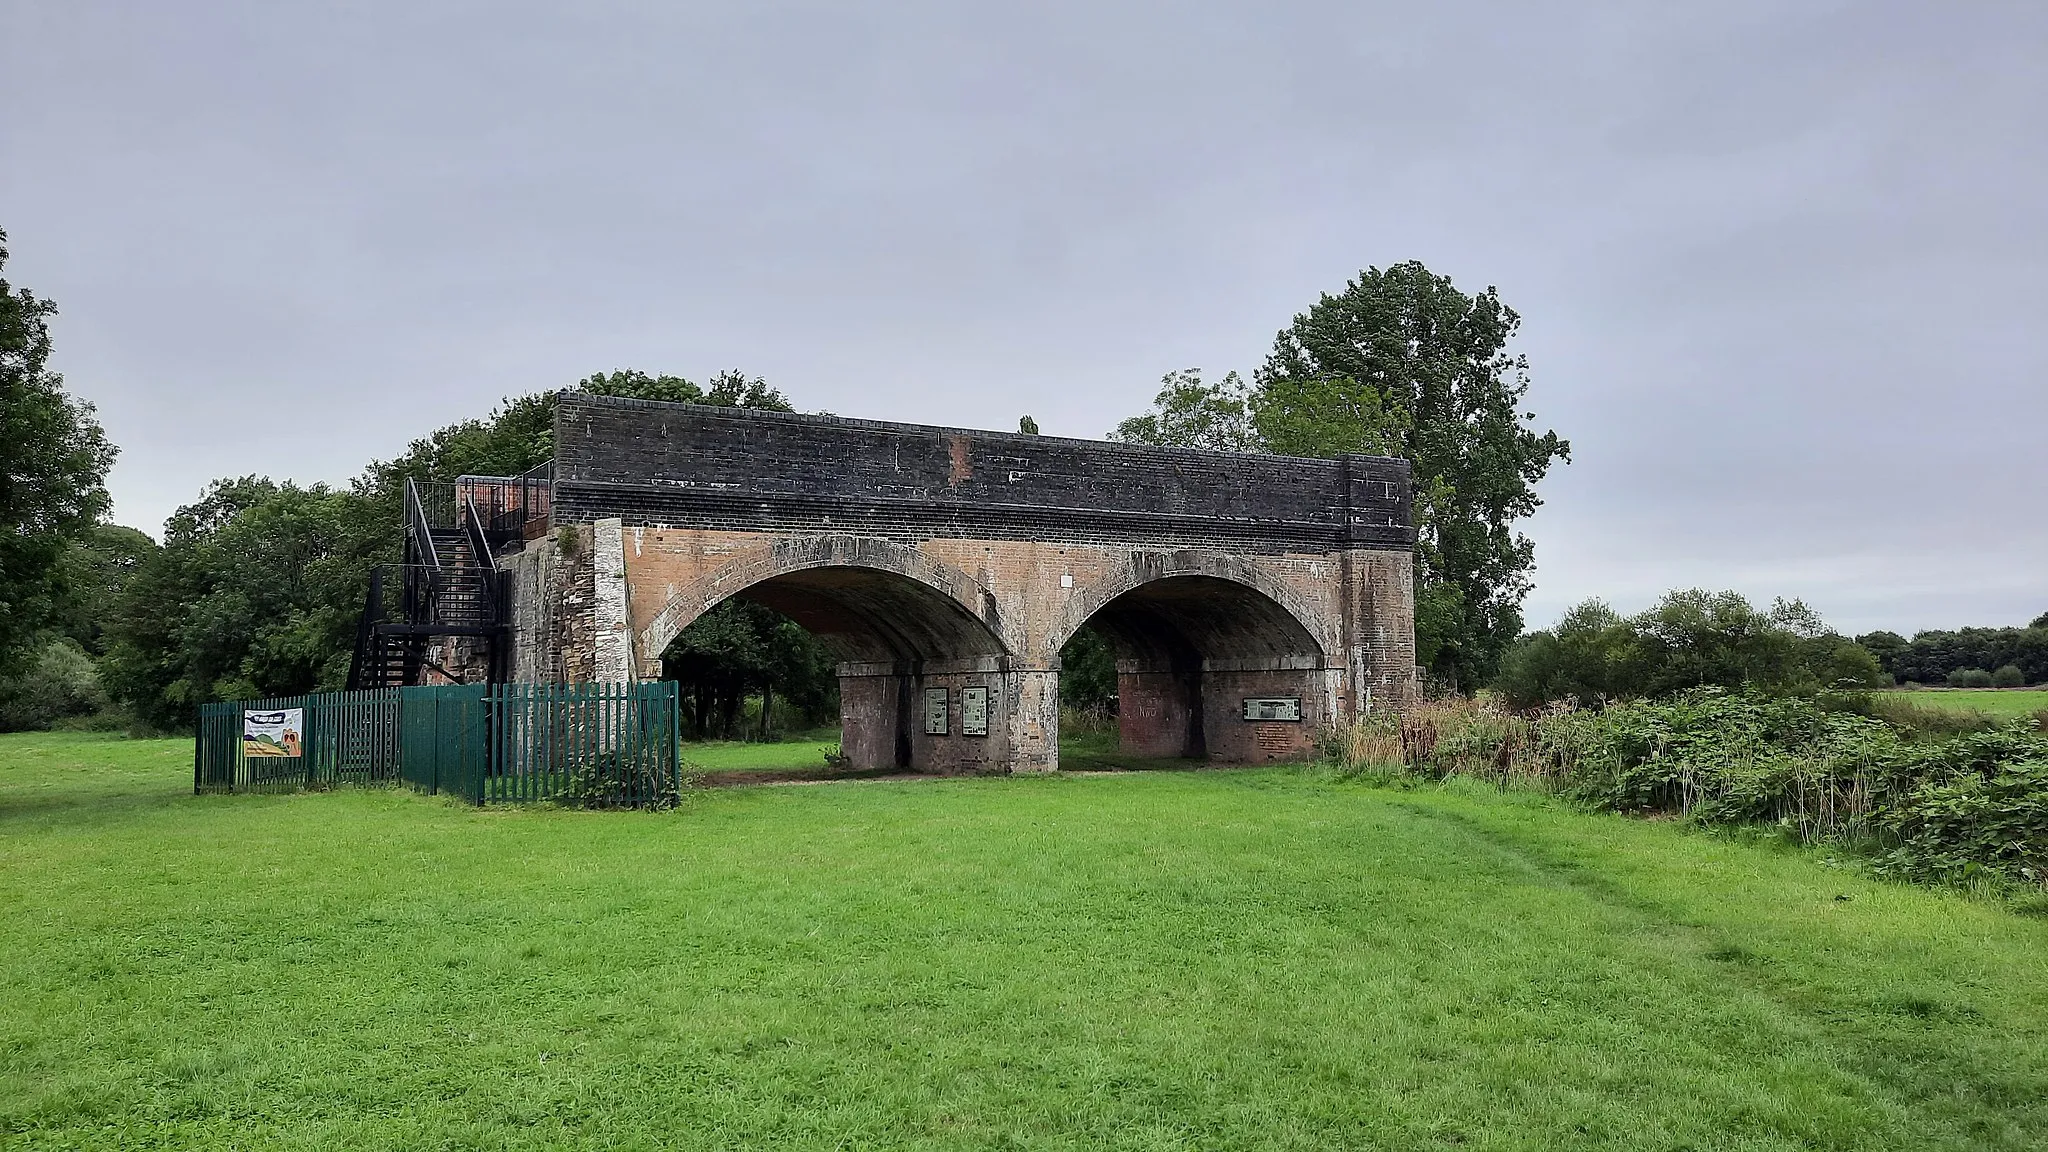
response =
{"points": [[348, 738], [601, 745]]}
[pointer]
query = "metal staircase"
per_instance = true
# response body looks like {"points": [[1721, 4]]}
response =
{"points": [[447, 597]]}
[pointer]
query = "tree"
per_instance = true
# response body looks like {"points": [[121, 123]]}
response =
{"points": [[1886, 646], [1930, 657], [739, 648], [53, 465], [1584, 659], [2009, 676], [1450, 399], [91, 576], [1327, 417], [1689, 639], [256, 592], [1027, 426], [1190, 414], [1087, 670]]}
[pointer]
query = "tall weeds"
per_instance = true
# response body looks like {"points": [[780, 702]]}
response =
{"points": [[1931, 806]]}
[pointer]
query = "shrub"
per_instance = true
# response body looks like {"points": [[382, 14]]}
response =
{"points": [[1932, 803], [619, 780], [59, 686], [1978, 805], [1969, 678], [2009, 676]]}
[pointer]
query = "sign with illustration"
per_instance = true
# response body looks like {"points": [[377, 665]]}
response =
{"points": [[1272, 708], [272, 733], [936, 720], [974, 711]]}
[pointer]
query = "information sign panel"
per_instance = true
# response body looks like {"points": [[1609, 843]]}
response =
{"points": [[272, 733], [1272, 708], [974, 711], [936, 720]]}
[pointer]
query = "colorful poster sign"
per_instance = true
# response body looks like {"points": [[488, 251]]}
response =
{"points": [[936, 720], [272, 733], [974, 711]]}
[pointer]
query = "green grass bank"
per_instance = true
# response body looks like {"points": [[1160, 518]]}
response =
{"points": [[2005, 703], [1216, 959]]}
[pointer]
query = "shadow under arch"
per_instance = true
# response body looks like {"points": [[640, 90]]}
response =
{"points": [[1214, 668], [869, 599], [1147, 567], [904, 627]]}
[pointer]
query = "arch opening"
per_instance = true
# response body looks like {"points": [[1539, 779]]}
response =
{"points": [[1209, 668], [899, 652]]}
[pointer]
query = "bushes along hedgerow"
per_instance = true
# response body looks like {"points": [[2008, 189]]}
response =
{"points": [[1952, 808]]}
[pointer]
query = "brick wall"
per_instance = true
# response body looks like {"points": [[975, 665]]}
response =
{"points": [[687, 465], [942, 558]]}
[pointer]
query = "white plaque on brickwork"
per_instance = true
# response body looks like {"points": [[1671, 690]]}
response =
{"points": [[936, 721], [974, 711], [1272, 708]]}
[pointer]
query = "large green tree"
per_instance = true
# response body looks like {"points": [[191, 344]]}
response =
{"points": [[53, 465], [1402, 361], [255, 593]]}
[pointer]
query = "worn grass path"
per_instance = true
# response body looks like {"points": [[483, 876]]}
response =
{"points": [[1242, 959]]}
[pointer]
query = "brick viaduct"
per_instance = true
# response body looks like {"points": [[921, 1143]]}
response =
{"points": [[946, 568]]}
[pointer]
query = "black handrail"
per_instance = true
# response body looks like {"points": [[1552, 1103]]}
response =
{"points": [[419, 531], [373, 614], [480, 548]]}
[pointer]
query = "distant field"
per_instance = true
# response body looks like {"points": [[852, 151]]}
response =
{"points": [[1996, 701], [1264, 958]]}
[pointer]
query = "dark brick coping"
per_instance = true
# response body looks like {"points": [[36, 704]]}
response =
{"points": [[691, 465]]}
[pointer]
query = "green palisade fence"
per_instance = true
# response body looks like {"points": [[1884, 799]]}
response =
{"points": [[603, 745], [349, 738]]}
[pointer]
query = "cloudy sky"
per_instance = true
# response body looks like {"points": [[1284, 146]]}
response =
{"points": [[1783, 266]]}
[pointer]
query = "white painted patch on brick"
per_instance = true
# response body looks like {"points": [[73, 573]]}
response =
{"points": [[613, 639]]}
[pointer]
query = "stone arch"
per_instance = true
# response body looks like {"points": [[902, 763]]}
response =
{"points": [[1216, 657], [1141, 568], [963, 618]]}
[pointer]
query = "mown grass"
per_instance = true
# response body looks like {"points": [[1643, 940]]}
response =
{"points": [[804, 751], [1238, 959], [2000, 702]]}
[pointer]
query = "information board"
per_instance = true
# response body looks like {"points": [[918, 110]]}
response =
{"points": [[1272, 708], [974, 711], [272, 733], [936, 721]]}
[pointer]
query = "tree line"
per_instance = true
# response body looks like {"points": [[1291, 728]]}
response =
{"points": [[1969, 657], [258, 584]]}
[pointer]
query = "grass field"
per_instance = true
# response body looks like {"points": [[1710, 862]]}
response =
{"points": [[2004, 702], [804, 752], [1226, 959]]}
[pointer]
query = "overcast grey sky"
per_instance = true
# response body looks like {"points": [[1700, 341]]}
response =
{"points": [[1780, 264]]}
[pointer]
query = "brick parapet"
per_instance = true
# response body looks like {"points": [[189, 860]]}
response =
{"points": [[697, 466]]}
